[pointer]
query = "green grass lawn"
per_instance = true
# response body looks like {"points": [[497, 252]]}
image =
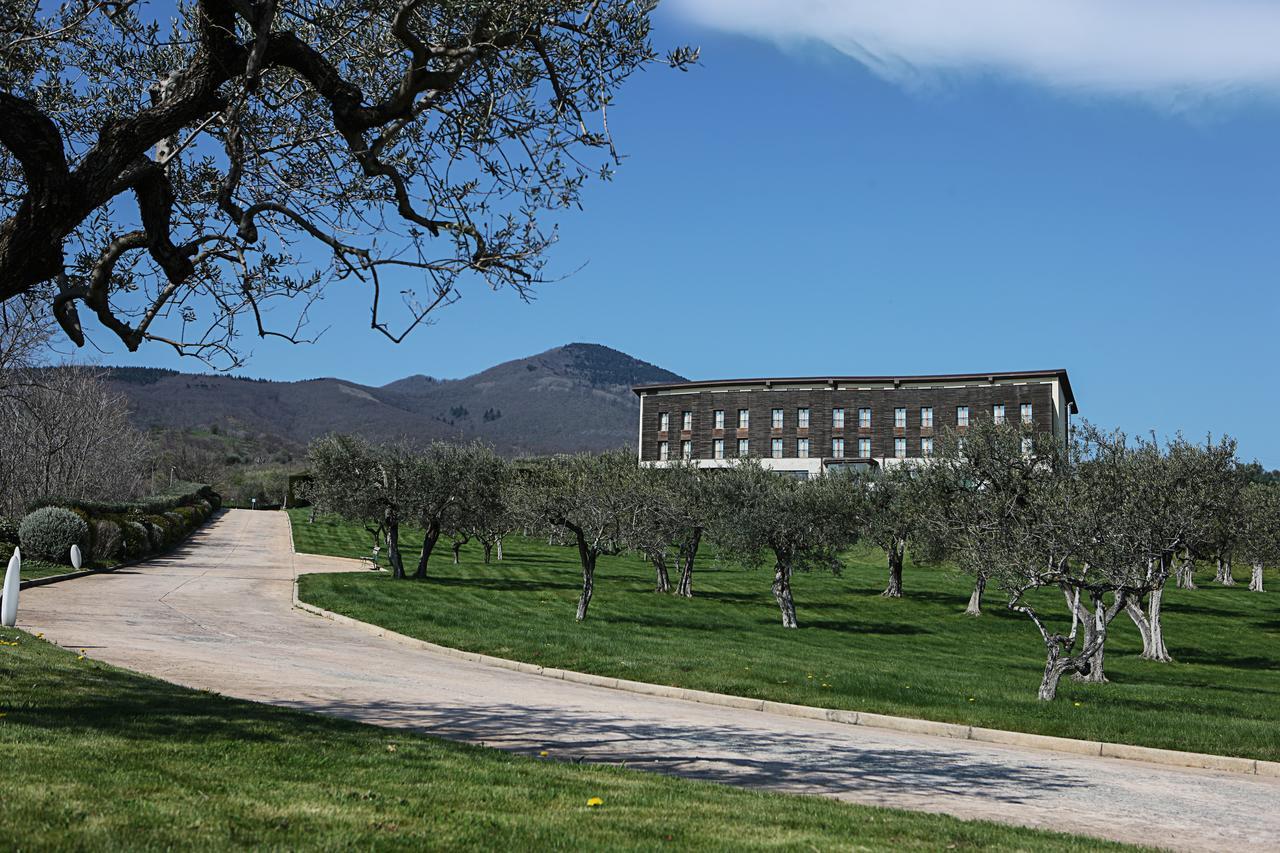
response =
{"points": [[97, 758], [916, 656]]}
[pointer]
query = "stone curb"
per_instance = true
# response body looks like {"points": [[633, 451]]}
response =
{"points": [[1145, 754]]}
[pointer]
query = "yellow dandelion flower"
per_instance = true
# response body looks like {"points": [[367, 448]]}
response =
{"points": [[391, 747], [594, 802], [971, 699], [544, 753], [79, 657], [1077, 704]]}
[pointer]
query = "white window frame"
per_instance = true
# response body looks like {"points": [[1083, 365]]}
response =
{"points": [[664, 451], [1026, 412], [719, 419], [802, 448], [900, 417], [686, 449], [664, 421], [776, 419], [926, 447], [926, 417], [837, 448], [864, 418], [899, 448], [744, 418], [744, 447], [775, 448], [962, 416], [864, 444], [837, 418], [686, 421], [717, 448], [802, 418], [997, 413]]}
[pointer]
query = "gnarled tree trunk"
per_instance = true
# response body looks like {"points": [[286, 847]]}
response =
{"points": [[782, 593], [1186, 573], [975, 599], [1094, 626], [431, 536], [488, 550], [1223, 575], [393, 548], [660, 568], [498, 544], [1149, 626], [457, 550], [1255, 580], [588, 559], [687, 555], [895, 553]]}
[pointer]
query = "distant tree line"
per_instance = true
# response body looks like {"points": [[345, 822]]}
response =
{"points": [[1103, 521]]}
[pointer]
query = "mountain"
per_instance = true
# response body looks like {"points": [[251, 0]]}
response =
{"points": [[575, 397]]}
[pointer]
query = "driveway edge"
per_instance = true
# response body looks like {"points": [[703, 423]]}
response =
{"points": [[1145, 754]]}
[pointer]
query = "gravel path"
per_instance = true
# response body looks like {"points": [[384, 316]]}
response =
{"points": [[217, 615]]}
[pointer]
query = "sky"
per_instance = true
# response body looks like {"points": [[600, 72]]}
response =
{"points": [[890, 187]]}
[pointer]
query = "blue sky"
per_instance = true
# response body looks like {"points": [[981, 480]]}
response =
{"points": [[787, 208]]}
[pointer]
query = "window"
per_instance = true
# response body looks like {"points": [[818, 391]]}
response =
{"points": [[717, 448], [664, 421], [962, 416], [926, 417], [777, 418], [775, 449], [1027, 445], [837, 418], [802, 448], [802, 418], [719, 419], [1026, 413], [926, 447], [744, 447], [864, 419], [900, 448], [664, 451], [864, 448], [899, 418], [744, 418], [837, 448], [997, 413], [686, 421], [686, 449]]}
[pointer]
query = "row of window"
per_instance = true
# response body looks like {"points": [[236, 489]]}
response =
{"points": [[802, 448], [837, 418]]}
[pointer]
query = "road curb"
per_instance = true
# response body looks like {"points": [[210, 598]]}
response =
{"points": [[1126, 752]]}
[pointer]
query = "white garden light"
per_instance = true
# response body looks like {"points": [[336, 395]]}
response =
{"points": [[9, 605], [76, 557]]}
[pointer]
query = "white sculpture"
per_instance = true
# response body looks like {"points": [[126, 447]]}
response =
{"points": [[76, 557], [12, 580]]}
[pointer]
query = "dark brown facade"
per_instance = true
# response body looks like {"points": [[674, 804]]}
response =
{"points": [[1048, 394]]}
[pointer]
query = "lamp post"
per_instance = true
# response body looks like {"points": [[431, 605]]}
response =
{"points": [[12, 582]]}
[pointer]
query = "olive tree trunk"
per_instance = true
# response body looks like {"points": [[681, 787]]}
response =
{"points": [[488, 550], [895, 553], [457, 550], [431, 536], [1223, 574], [660, 568], [1149, 626], [688, 553], [1255, 580], [498, 548], [1186, 573], [782, 593], [587, 557], [393, 549], [1094, 625], [975, 599]]}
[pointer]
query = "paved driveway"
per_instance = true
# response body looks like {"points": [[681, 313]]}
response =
{"points": [[217, 615]]}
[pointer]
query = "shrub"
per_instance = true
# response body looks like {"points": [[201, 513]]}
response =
{"points": [[108, 541], [49, 533], [157, 531], [8, 530], [137, 543]]}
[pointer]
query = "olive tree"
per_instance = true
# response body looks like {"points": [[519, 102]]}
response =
{"points": [[797, 525], [1259, 537], [894, 513], [180, 175], [479, 510], [592, 497], [674, 508]]}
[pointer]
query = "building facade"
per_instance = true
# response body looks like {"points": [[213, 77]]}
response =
{"points": [[804, 426]]}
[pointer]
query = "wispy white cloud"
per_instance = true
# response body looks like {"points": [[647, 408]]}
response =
{"points": [[1157, 48]]}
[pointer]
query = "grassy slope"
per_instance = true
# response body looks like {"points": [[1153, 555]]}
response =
{"points": [[916, 656], [100, 758]]}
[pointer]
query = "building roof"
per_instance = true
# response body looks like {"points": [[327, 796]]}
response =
{"points": [[1059, 374]]}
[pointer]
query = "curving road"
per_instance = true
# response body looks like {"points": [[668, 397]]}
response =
{"points": [[217, 615]]}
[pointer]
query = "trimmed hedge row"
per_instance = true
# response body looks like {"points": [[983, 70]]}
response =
{"points": [[111, 532]]}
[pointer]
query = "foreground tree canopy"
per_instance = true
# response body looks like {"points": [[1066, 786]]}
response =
{"points": [[178, 176]]}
